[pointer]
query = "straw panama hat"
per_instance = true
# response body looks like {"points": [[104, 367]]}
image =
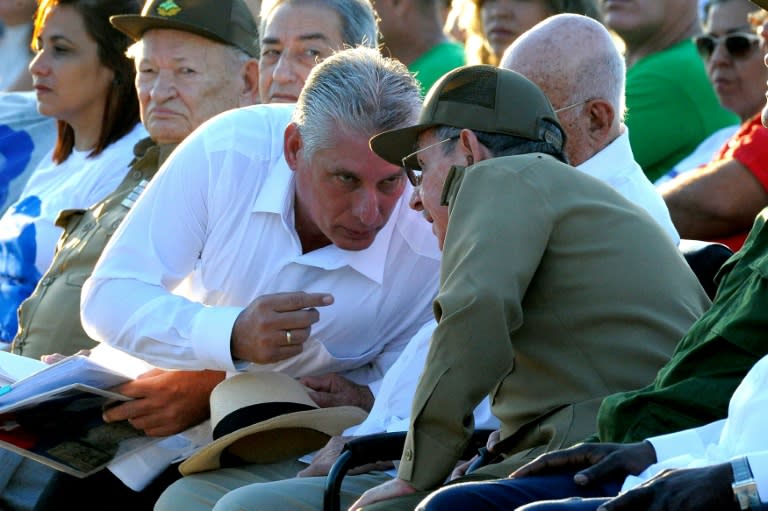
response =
{"points": [[266, 417]]}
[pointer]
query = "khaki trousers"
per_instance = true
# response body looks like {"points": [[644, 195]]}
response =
{"points": [[260, 487]]}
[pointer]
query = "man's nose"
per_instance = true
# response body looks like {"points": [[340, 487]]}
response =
{"points": [[415, 201], [367, 207]]}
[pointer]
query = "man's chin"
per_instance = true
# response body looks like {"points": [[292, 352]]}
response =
{"points": [[354, 243]]}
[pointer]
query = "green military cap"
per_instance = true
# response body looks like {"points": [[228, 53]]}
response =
{"points": [[226, 21], [483, 98]]}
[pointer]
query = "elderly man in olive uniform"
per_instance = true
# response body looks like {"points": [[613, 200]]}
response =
{"points": [[555, 290]]}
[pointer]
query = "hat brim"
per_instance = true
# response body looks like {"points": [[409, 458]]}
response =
{"points": [[134, 26], [328, 421], [394, 145], [761, 3]]}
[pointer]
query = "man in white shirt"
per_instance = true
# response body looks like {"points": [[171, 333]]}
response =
{"points": [[574, 60], [265, 239]]}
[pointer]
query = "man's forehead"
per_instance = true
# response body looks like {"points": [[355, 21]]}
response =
{"points": [[315, 22], [178, 39]]}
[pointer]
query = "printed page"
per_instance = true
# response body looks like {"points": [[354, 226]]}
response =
{"points": [[15, 367]]}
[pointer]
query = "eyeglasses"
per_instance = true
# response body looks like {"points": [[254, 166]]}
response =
{"points": [[574, 105], [738, 45], [411, 165]]}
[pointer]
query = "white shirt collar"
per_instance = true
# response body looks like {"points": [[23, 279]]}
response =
{"points": [[614, 160]]}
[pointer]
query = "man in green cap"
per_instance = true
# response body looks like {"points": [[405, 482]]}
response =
{"points": [[548, 297]]}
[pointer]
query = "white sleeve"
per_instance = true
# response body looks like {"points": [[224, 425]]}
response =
{"points": [[127, 302], [758, 462], [691, 442]]}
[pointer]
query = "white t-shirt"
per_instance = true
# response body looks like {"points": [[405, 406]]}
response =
{"points": [[28, 234]]}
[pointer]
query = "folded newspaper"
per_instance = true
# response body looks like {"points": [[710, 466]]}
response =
{"points": [[53, 413]]}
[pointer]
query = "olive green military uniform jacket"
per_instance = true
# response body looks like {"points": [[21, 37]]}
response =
{"points": [[695, 387], [49, 320], [555, 292]]}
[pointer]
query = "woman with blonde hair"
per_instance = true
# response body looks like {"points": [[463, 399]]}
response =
{"points": [[492, 25], [83, 79]]}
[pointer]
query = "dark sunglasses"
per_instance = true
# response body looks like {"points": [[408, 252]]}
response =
{"points": [[738, 45]]}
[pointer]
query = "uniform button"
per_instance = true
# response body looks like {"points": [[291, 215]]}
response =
{"points": [[115, 224], [408, 454], [136, 174], [88, 226], [46, 281]]}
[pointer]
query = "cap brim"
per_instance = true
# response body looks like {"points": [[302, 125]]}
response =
{"points": [[134, 26], [330, 421], [761, 3], [394, 145]]}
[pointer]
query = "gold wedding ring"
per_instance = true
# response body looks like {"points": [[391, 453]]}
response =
{"points": [[288, 337]]}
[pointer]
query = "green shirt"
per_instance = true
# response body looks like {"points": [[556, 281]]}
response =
{"points": [[433, 64], [694, 388], [671, 107]]}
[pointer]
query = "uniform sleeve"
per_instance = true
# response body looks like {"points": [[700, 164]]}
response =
{"points": [[484, 276], [128, 301]]}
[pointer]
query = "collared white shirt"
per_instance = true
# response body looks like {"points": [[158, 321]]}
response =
{"points": [[616, 166], [214, 230], [742, 433], [392, 408]]}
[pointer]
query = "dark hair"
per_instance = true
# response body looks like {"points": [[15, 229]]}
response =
{"points": [[500, 144], [121, 108]]}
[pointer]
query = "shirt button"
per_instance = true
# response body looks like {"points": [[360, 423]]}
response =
{"points": [[46, 281], [115, 224], [408, 454], [136, 174]]}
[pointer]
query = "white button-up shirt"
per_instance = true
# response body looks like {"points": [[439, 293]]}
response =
{"points": [[616, 166], [215, 230]]}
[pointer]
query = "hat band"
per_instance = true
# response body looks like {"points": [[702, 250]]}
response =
{"points": [[253, 414]]}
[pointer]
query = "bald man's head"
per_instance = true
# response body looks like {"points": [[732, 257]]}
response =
{"points": [[574, 60]]}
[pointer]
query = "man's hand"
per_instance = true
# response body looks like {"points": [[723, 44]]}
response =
{"points": [[334, 390], [602, 459], [165, 402], [690, 489], [274, 327], [324, 459], [461, 469], [389, 490]]}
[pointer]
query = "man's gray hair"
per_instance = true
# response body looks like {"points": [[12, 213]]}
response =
{"points": [[355, 91], [500, 144], [359, 24]]}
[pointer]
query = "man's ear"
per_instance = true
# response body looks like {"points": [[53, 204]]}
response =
{"points": [[601, 121], [249, 74], [292, 145], [475, 150]]}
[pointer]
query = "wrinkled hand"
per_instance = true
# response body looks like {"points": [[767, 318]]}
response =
{"points": [[461, 468], [334, 390], [260, 331], [682, 490], [602, 459], [324, 459], [165, 402], [389, 490]]}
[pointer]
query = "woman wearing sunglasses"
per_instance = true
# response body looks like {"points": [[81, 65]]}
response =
{"points": [[719, 200]]}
